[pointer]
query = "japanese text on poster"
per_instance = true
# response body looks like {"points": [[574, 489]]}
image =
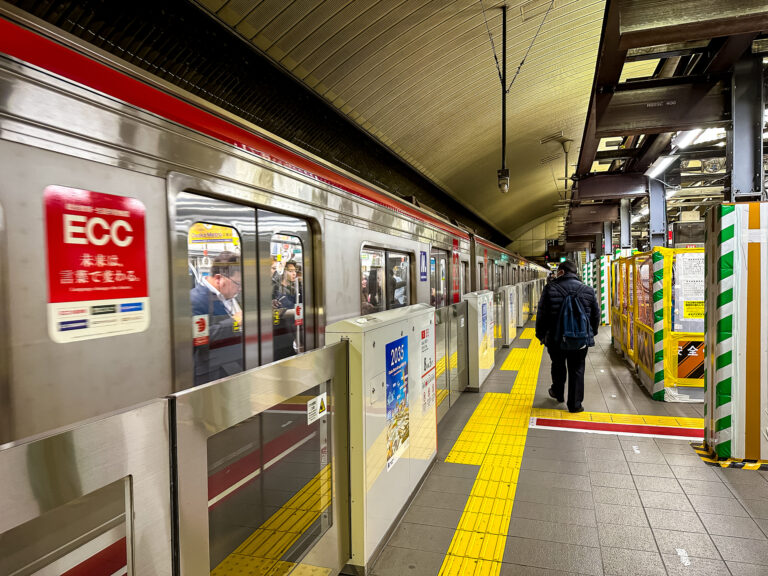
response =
{"points": [[97, 271], [398, 430], [427, 370]]}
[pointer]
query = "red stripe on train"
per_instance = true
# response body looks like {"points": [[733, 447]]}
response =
{"points": [[47, 54], [227, 477], [628, 428], [105, 562]]}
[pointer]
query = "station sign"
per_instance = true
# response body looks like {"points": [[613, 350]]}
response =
{"points": [[97, 264]]}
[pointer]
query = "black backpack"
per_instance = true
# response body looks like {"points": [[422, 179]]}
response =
{"points": [[573, 330]]}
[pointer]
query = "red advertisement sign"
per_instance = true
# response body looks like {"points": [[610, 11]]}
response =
{"points": [[96, 246], [97, 264], [456, 271]]}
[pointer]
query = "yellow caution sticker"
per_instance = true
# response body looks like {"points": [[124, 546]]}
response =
{"points": [[693, 309]]}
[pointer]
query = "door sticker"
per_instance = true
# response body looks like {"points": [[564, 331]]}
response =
{"points": [[97, 264]]}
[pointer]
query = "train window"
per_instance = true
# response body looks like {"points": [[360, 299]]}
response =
{"points": [[438, 278], [215, 267], [398, 279], [372, 281], [385, 280], [465, 283], [287, 263]]}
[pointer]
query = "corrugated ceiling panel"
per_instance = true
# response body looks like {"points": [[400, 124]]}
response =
{"points": [[420, 76]]}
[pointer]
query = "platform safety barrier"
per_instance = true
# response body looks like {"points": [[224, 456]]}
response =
{"points": [[393, 420], [260, 469], [657, 317], [92, 498], [451, 371], [263, 468]]}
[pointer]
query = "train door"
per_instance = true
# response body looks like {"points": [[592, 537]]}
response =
{"points": [[438, 278], [464, 277], [248, 280], [285, 285]]}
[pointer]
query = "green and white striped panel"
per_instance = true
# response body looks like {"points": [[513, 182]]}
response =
{"points": [[605, 303], [658, 325], [722, 346]]}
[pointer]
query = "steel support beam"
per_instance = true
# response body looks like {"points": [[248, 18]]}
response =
{"points": [[598, 245], [577, 246], [626, 232], [744, 147], [584, 228], [657, 206], [610, 61], [646, 23], [608, 238], [611, 186], [665, 108], [594, 213]]}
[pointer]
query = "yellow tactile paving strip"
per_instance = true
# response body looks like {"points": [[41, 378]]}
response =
{"points": [[619, 418], [441, 395], [528, 334], [493, 438], [514, 359], [260, 553]]}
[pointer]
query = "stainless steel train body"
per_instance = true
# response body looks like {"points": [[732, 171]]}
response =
{"points": [[58, 133], [72, 119]]}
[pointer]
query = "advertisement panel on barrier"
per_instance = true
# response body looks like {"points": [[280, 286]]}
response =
{"points": [[398, 430], [428, 369]]}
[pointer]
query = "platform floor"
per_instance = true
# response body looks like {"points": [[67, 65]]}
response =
{"points": [[542, 501]]}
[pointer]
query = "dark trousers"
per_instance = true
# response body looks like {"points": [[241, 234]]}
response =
{"points": [[574, 359]]}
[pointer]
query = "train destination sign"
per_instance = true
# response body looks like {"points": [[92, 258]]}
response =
{"points": [[97, 264]]}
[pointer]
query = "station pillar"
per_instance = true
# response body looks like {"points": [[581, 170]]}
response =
{"points": [[626, 232], [657, 206], [744, 145], [608, 238]]}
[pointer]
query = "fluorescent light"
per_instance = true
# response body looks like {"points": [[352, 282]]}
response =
{"points": [[686, 138], [660, 165]]}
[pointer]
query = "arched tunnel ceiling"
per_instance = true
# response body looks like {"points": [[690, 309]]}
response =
{"points": [[421, 78]]}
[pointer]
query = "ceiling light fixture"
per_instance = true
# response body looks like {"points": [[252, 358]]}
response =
{"points": [[686, 138], [660, 165], [502, 174]]}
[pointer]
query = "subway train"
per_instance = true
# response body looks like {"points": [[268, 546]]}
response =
{"points": [[151, 242]]}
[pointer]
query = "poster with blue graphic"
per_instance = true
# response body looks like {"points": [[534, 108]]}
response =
{"points": [[397, 399]]}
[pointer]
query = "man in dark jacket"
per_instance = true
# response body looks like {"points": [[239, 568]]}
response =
{"points": [[547, 319]]}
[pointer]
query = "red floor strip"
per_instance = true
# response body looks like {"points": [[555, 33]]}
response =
{"points": [[627, 428]]}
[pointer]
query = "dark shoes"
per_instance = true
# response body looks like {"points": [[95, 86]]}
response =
{"points": [[552, 395], [576, 410]]}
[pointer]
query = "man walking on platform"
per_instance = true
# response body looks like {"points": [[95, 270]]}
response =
{"points": [[566, 323]]}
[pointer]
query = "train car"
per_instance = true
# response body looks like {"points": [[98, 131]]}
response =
{"points": [[92, 148], [151, 242]]}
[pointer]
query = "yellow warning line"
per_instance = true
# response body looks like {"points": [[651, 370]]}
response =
{"points": [[514, 359], [260, 553], [494, 438], [528, 334], [619, 418], [441, 395]]}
